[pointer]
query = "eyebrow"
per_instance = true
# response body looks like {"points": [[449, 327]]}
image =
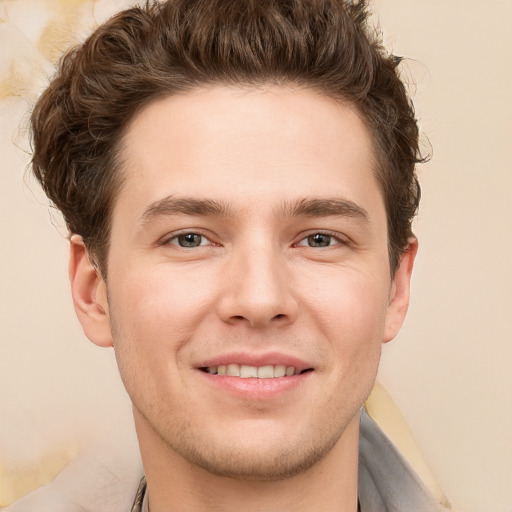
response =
{"points": [[185, 206], [309, 207]]}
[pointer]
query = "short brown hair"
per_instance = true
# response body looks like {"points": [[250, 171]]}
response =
{"points": [[160, 49]]}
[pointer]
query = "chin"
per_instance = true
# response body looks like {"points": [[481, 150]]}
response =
{"points": [[244, 465], [257, 458]]}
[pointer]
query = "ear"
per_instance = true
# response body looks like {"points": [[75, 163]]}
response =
{"points": [[89, 293], [400, 292]]}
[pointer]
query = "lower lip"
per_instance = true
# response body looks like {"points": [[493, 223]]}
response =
{"points": [[256, 389]]}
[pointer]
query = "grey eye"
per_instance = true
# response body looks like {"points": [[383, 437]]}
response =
{"points": [[190, 240], [319, 240]]}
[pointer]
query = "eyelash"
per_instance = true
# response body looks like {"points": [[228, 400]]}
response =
{"points": [[173, 240]]}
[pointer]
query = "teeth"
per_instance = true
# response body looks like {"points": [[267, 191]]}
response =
{"points": [[248, 371], [279, 370], [245, 371], [233, 370], [266, 372]]}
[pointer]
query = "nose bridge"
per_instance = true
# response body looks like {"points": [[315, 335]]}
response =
{"points": [[259, 289]]}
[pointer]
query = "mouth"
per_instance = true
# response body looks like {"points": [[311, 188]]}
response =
{"points": [[253, 377], [245, 371]]}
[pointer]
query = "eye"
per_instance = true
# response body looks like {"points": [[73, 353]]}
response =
{"points": [[189, 240], [319, 240]]}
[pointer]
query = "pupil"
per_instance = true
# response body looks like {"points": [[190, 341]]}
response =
{"points": [[319, 240], [190, 240]]}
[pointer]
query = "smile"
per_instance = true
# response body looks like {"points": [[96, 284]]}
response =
{"points": [[256, 372]]}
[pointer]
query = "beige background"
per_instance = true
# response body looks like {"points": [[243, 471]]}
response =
{"points": [[449, 370]]}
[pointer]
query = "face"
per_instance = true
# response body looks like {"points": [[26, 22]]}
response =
{"points": [[249, 287]]}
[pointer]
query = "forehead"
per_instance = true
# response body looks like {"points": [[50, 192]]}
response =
{"points": [[244, 146]]}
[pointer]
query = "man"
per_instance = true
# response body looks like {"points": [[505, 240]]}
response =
{"points": [[238, 181]]}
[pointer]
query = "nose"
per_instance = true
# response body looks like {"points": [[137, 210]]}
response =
{"points": [[258, 290]]}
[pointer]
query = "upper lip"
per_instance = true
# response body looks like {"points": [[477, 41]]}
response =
{"points": [[252, 359]]}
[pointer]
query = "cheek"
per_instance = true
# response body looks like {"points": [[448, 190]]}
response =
{"points": [[348, 310], [349, 305], [153, 317], [160, 305]]}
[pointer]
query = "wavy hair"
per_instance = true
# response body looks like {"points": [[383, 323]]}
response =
{"points": [[164, 48]]}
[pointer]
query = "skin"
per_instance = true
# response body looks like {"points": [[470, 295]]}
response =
{"points": [[278, 185]]}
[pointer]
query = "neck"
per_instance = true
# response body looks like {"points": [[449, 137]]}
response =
{"points": [[174, 484]]}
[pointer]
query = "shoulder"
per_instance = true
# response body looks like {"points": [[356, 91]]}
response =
{"points": [[103, 479]]}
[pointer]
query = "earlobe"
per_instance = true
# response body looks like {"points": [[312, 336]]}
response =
{"points": [[89, 294], [400, 292]]}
